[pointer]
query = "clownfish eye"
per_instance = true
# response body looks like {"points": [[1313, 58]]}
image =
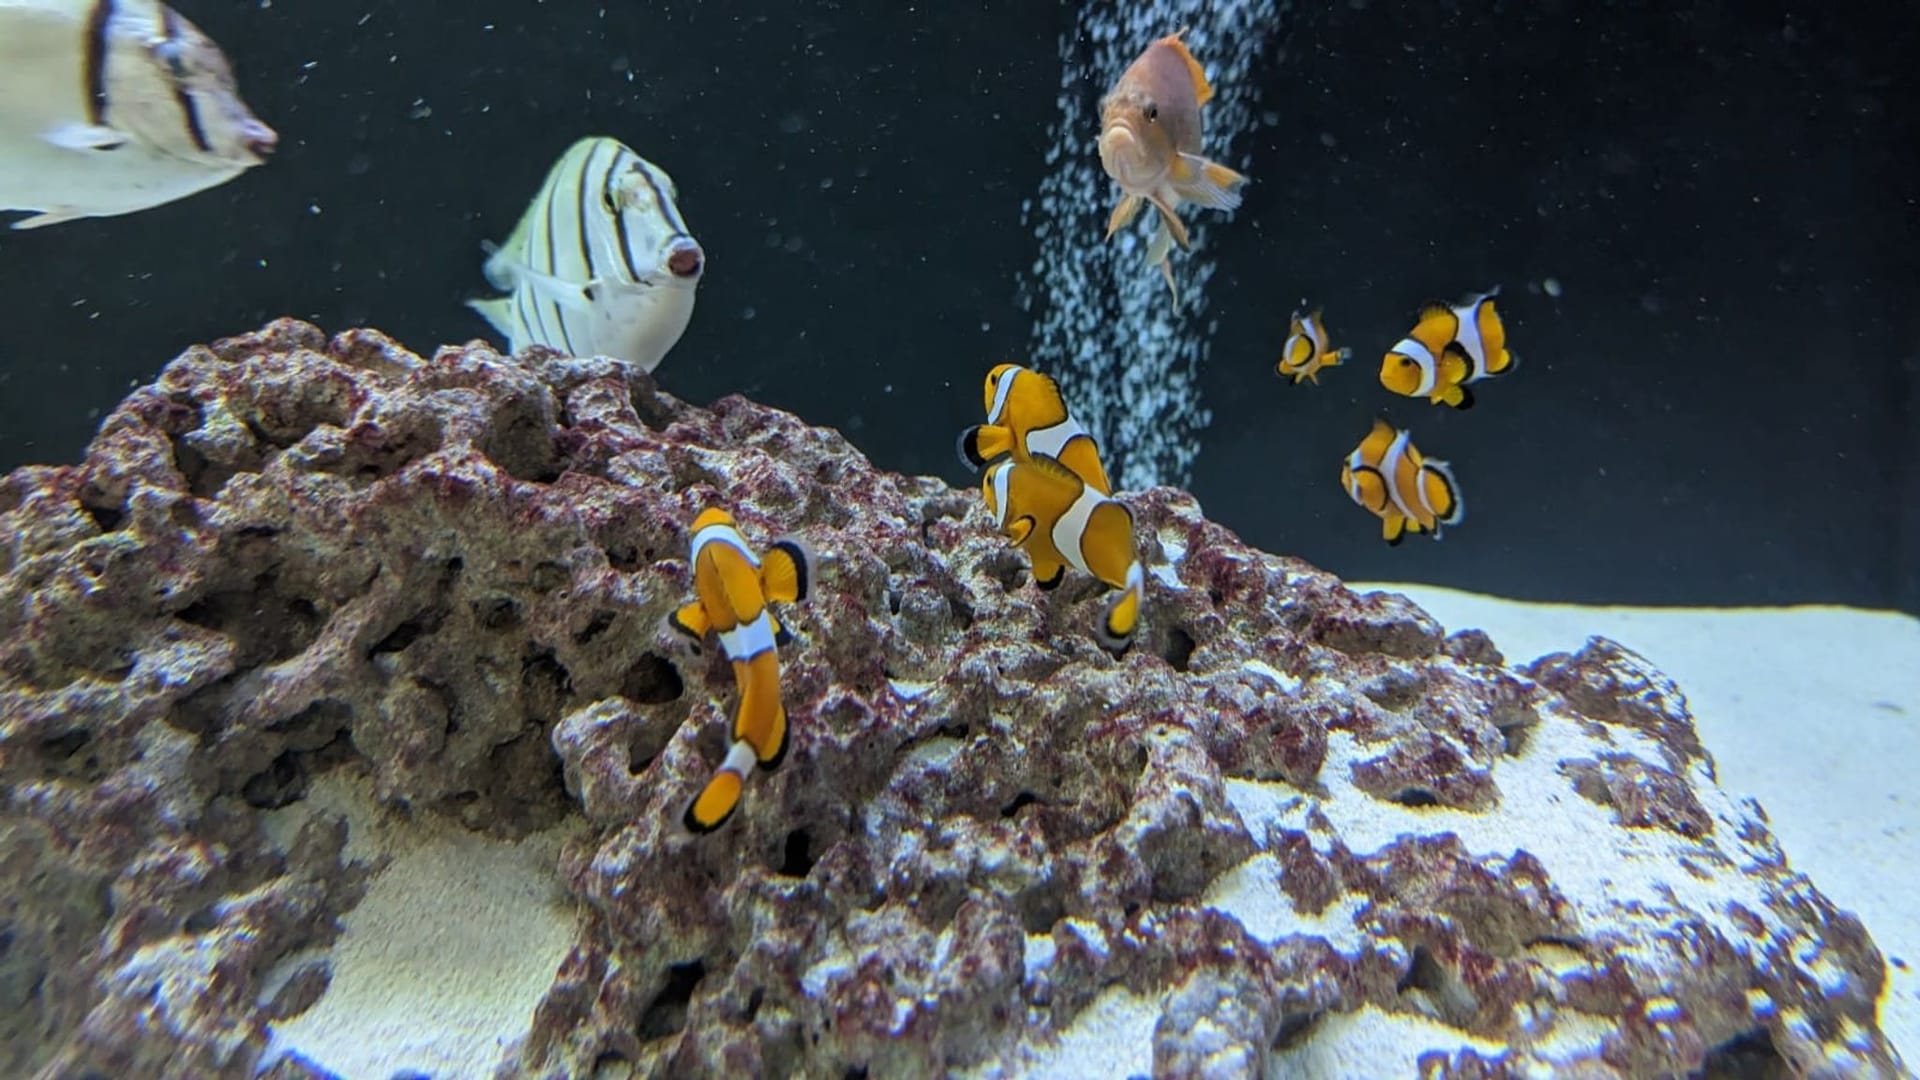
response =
{"points": [[1151, 112], [1406, 361]]}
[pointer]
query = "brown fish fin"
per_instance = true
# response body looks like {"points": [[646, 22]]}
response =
{"points": [[1123, 214], [1206, 183], [1175, 227], [1201, 88]]}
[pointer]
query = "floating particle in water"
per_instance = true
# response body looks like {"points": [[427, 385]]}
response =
{"points": [[1552, 285], [1103, 321]]}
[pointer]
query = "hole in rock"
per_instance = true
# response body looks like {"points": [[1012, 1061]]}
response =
{"points": [[956, 731], [608, 1059], [652, 680], [109, 518], [1748, 1055], [1514, 737], [753, 1001], [797, 860], [524, 448], [1416, 796], [279, 784], [668, 1013], [1395, 691], [893, 601], [856, 1072], [1179, 648], [65, 745], [496, 612], [1294, 1029], [409, 631], [1021, 800], [596, 626], [1215, 596], [200, 921], [547, 680], [962, 612], [1422, 974], [6, 942]]}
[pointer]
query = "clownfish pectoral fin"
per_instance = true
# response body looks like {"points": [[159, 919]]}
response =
{"points": [[1337, 355], [1048, 574], [777, 743], [1019, 529], [1393, 528], [721, 796], [782, 636], [982, 443], [786, 571], [1461, 398], [692, 621], [1123, 214], [1207, 183]]}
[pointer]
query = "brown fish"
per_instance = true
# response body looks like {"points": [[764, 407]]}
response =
{"points": [[1150, 131]]}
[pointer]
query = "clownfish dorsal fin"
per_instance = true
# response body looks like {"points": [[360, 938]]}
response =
{"points": [[1051, 466], [1433, 309], [1201, 88]]}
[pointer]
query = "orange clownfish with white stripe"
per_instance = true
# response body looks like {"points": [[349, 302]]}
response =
{"points": [[733, 586], [1408, 492], [1027, 418], [1308, 350], [1448, 348], [1150, 130], [1061, 521]]}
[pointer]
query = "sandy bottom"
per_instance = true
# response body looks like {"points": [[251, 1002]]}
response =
{"points": [[1813, 711], [443, 962]]}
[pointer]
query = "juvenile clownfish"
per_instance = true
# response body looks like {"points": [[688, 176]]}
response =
{"points": [[733, 586], [1448, 348], [1308, 350], [1027, 417], [1409, 493], [1061, 521], [1150, 130]]}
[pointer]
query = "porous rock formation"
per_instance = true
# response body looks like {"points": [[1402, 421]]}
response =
{"points": [[1285, 803]]}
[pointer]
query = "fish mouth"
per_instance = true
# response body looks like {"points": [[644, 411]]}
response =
{"points": [[260, 141], [1121, 152], [685, 260]]}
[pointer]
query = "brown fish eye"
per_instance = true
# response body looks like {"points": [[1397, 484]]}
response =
{"points": [[1152, 112]]}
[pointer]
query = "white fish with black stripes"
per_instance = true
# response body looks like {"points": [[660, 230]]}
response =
{"points": [[601, 264], [108, 107]]}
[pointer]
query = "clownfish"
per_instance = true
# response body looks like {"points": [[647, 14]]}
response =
{"points": [[1448, 348], [1150, 129], [1307, 350], [1061, 521], [733, 586], [1409, 493], [1027, 417]]}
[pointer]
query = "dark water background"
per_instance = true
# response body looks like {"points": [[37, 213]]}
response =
{"points": [[1721, 408]]}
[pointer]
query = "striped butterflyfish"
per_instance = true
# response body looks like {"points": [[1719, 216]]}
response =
{"points": [[1026, 416], [1449, 347], [1409, 493], [732, 586], [601, 264], [108, 107], [1059, 520]]}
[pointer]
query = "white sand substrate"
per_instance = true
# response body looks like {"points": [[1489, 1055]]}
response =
{"points": [[1813, 710], [441, 965]]}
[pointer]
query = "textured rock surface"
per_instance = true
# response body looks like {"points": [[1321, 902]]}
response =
{"points": [[1287, 804]]}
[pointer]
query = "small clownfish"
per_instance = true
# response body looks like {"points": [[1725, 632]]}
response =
{"points": [[1150, 130], [1409, 493], [1448, 348], [1308, 350], [733, 586], [1027, 417], [1061, 521]]}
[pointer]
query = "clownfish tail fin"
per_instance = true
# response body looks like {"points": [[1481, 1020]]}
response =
{"points": [[721, 796], [1121, 620], [982, 443], [786, 571]]}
